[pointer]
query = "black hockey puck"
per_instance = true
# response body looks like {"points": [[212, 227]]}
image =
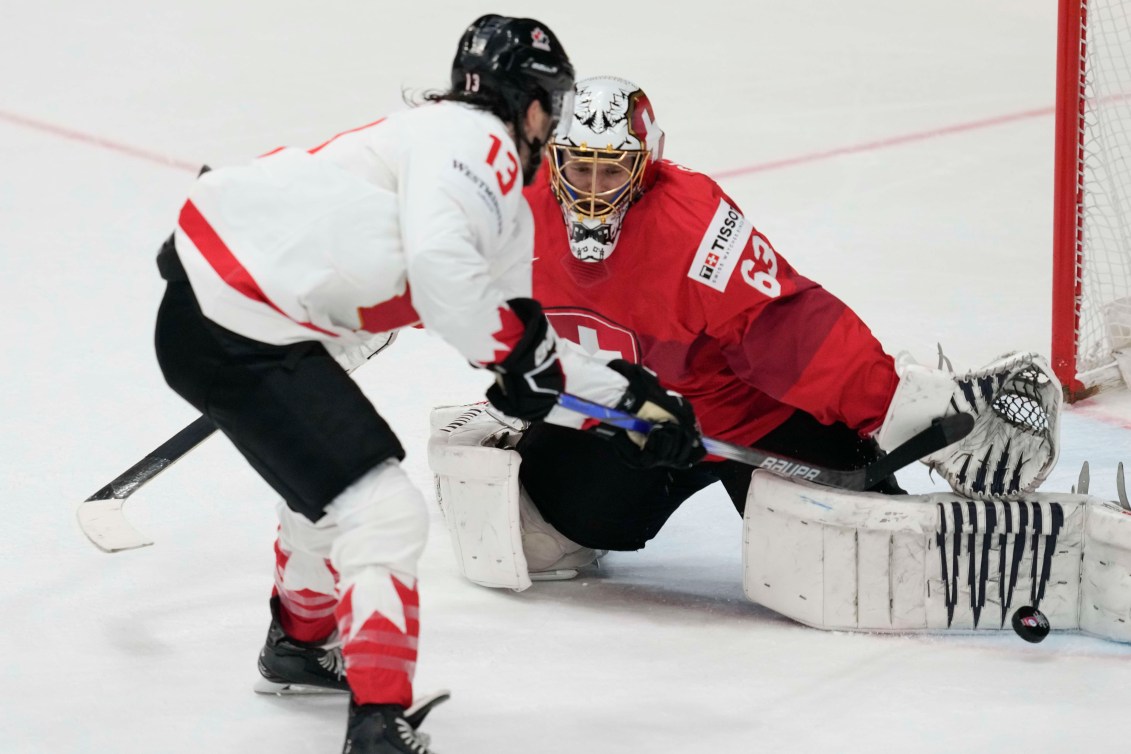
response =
{"points": [[1030, 624]]}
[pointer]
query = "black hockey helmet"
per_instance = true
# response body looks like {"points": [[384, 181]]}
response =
{"points": [[514, 61]]}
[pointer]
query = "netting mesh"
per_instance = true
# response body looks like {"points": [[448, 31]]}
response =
{"points": [[1019, 401], [1106, 175]]}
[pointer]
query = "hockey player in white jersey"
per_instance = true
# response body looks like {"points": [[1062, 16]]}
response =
{"points": [[278, 266]]}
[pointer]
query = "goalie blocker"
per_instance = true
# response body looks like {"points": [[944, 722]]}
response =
{"points": [[857, 561]]}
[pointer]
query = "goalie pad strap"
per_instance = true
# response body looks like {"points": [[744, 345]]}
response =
{"points": [[860, 561]]}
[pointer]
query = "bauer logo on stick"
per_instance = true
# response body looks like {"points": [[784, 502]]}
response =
{"points": [[787, 468]]}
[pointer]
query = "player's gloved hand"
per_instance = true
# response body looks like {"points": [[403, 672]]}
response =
{"points": [[674, 440], [529, 379]]}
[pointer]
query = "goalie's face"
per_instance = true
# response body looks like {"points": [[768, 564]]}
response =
{"points": [[593, 184], [595, 189]]}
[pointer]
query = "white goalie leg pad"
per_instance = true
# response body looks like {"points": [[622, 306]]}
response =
{"points": [[1015, 402], [843, 560], [477, 489], [1105, 600], [499, 538]]}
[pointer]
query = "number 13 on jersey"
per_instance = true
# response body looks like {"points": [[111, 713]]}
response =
{"points": [[511, 169]]}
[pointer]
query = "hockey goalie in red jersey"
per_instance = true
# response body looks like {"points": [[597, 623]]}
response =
{"points": [[686, 285], [640, 259]]}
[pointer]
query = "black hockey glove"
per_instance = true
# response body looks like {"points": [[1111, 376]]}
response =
{"points": [[674, 440], [529, 380]]}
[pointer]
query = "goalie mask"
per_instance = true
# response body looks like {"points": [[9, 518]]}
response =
{"points": [[601, 160]]}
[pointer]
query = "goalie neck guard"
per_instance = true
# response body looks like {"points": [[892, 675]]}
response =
{"points": [[600, 162]]}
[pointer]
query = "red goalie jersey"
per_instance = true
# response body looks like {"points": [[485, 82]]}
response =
{"points": [[699, 296]]}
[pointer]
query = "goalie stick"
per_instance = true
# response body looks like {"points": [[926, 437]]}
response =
{"points": [[942, 432]]}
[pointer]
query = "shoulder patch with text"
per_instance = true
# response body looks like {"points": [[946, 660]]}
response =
{"points": [[720, 248]]}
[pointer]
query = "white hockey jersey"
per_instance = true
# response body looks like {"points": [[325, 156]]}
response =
{"points": [[416, 218]]}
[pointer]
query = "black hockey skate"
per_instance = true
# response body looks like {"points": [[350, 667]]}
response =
{"points": [[289, 666], [389, 728]]}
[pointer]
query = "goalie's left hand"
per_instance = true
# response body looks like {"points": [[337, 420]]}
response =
{"points": [[674, 440], [1015, 442]]}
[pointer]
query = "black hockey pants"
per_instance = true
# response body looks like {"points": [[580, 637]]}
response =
{"points": [[590, 496], [294, 413]]}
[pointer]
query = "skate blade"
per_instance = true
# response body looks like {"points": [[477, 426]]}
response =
{"points": [[561, 574], [263, 686]]}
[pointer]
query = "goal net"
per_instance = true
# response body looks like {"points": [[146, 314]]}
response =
{"points": [[1091, 326]]}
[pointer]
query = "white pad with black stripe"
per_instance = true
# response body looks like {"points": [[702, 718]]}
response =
{"points": [[844, 560]]}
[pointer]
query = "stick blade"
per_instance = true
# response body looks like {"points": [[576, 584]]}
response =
{"points": [[104, 524], [955, 427]]}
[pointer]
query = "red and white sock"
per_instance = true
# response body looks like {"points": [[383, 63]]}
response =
{"points": [[382, 524]]}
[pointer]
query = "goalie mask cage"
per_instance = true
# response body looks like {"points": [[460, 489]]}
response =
{"points": [[1091, 304]]}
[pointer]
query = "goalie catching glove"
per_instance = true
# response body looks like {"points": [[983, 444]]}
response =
{"points": [[1015, 402], [674, 440]]}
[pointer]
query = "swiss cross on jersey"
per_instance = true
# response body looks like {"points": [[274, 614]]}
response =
{"points": [[596, 335]]}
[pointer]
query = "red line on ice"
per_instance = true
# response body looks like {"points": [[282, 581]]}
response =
{"points": [[871, 146], [98, 141]]}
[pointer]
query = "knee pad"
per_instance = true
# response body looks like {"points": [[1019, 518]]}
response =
{"points": [[381, 520], [550, 555], [302, 557], [297, 533]]}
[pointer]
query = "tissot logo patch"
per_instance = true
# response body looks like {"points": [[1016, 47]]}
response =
{"points": [[720, 248]]}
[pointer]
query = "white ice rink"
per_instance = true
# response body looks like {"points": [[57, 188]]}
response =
{"points": [[898, 152]]}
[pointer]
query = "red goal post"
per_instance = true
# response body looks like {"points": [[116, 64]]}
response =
{"points": [[1091, 296]]}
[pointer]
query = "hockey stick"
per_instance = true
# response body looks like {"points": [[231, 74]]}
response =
{"points": [[100, 515], [941, 433]]}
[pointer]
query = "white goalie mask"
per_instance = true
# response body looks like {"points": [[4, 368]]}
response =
{"points": [[600, 162]]}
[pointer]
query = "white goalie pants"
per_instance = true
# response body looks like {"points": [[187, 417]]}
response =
{"points": [[355, 571]]}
